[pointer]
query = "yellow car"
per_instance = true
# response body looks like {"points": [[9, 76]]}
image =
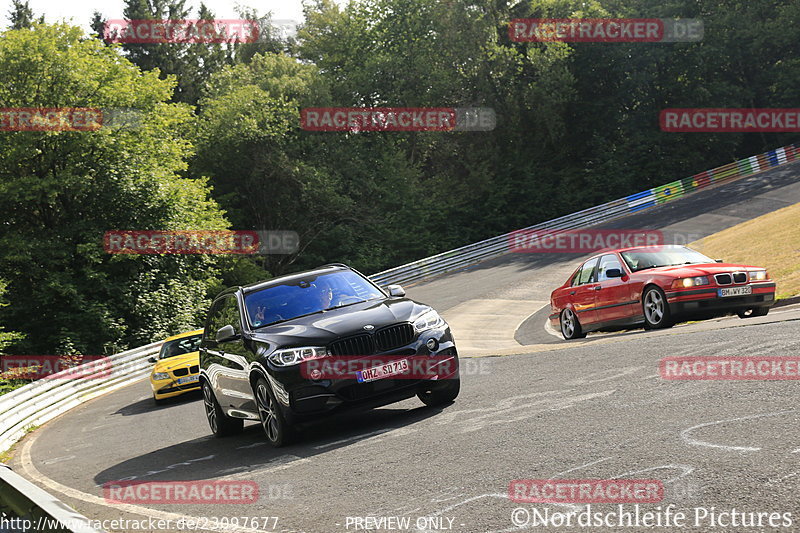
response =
{"points": [[177, 368]]}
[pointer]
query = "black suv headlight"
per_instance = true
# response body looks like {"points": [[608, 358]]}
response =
{"points": [[295, 356], [428, 320]]}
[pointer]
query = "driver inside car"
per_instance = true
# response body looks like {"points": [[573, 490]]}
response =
{"points": [[326, 295], [330, 296], [264, 314]]}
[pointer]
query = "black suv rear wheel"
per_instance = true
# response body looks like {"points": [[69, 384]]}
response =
{"points": [[221, 424]]}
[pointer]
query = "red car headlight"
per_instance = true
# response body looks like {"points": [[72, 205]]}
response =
{"points": [[683, 283], [758, 275]]}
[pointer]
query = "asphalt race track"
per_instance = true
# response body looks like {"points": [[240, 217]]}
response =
{"points": [[530, 408]]}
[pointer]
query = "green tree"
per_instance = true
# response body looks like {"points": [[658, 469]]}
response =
{"points": [[98, 24], [248, 143], [21, 15], [6, 337], [61, 190], [191, 63]]}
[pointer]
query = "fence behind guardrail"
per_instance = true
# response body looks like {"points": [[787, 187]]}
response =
{"points": [[497, 246], [45, 399]]}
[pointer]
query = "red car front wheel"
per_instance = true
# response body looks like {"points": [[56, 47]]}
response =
{"points": [[656, 309]]}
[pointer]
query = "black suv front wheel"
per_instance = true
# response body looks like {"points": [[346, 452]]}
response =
{"points": [[446, 391], [278, 431]]}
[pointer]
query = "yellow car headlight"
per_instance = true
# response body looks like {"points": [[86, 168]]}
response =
{"points": [[157, 376]]}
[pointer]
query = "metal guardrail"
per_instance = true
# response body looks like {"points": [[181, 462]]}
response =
{"points": [[497, 246], [43, 400], [25, 507]]}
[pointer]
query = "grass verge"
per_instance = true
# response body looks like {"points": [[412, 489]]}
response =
{"points": [[771, 241]]}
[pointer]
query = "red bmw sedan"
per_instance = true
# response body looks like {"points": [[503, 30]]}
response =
{"points": [[656, 286]]}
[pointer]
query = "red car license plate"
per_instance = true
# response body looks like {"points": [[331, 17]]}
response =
{"points": [[735, 291]]}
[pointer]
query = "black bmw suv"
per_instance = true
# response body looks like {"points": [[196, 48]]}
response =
{"points": [[306, 345]]}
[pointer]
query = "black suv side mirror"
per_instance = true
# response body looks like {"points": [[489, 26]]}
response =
{"points": [[613, 273], [226, 333], [395, 290]]}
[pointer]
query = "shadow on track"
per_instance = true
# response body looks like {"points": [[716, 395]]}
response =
{"points": [[147, 405], [210, 457]]}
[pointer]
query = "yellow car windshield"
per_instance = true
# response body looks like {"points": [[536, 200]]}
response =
{"points": [[180, 346]]}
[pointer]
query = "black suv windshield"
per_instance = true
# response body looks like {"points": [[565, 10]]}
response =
{"points": [[662, 256], [312, 294], [180, 346]]}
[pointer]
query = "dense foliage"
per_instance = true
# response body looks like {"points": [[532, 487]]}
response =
{"points": [[220, 143]]}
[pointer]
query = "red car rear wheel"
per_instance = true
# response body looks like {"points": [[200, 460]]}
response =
{"points": [[570, 327]]}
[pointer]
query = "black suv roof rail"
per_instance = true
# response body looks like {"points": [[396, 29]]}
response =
{"points": [[259, 284]]}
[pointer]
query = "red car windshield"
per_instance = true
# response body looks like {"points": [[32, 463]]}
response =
{"points": [[642, 259]]}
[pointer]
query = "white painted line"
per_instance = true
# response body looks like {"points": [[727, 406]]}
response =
{"points": [[33, 474], [599, 377], [58, 460], [579, 467], [773, 481], [549, 329], [392, 433], [281, 462], [489, 324], [254, 445], [526, 318], [350, 439], [696, 442], [685, 468]]}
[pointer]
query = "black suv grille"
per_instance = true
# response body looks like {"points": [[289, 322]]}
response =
{"points": [[357, 345], [394, 337]]}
